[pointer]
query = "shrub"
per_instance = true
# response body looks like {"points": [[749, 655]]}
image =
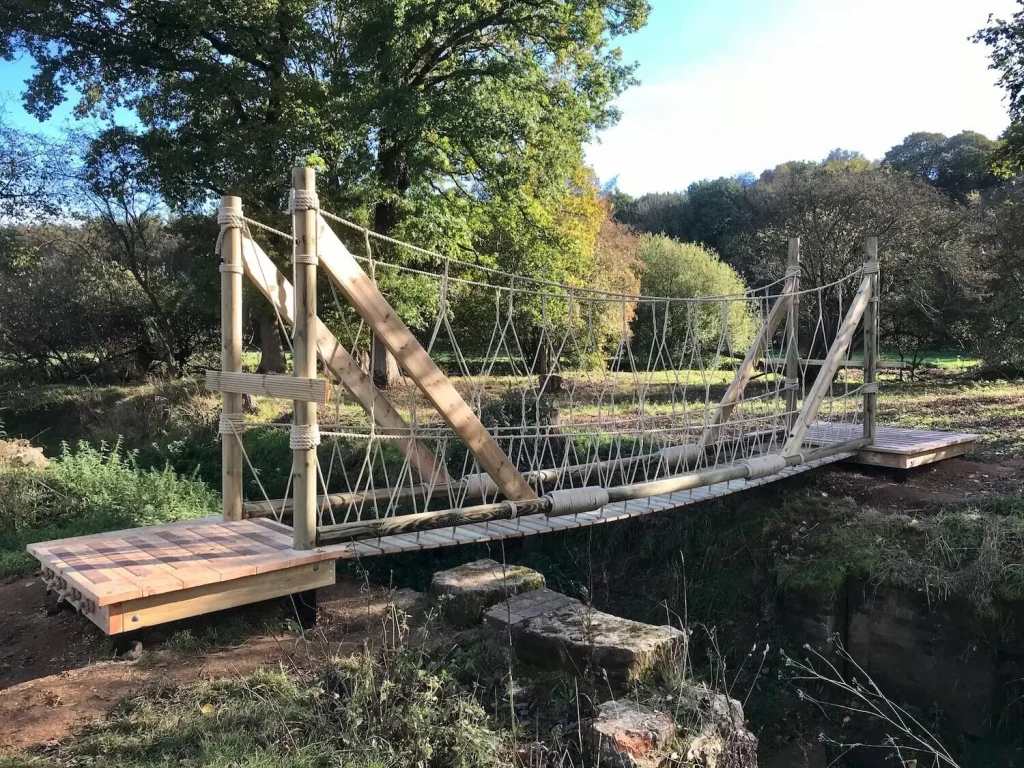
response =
{"points": [[686, 270], [88, 490]]}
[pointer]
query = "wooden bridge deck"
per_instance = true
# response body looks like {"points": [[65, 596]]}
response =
{"points": [[126, 580]]}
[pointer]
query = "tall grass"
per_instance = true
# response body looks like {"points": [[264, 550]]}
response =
{"points": [[89, 490]]}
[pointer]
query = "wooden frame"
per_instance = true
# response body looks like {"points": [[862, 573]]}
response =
{"points": [[343, 269], [278, 291], [284, 387], [747, 368], [823, 382], [304, 458], [231, 353], [151, 610], [871, 340], [793, 377]]}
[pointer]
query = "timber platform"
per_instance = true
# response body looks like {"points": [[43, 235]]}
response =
{"points": [[132, 579]]}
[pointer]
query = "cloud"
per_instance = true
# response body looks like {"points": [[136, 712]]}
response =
{"points": [[858, 75]]}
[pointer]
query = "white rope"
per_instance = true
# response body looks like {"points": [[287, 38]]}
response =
{"points": [[764, 466], [575, 501], [231, 423], [869, 389], [676, 456], [233, 268], [302, 200], [480, 484], [306, 258], [303, 437]]}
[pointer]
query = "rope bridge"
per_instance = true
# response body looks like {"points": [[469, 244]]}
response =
{"points": [[522, 396]]}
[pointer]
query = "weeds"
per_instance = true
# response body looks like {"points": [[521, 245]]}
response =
{"points": [[88, 490]]}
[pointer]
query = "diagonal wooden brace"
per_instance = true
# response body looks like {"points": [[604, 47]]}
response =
{"points": [[343, 269], [741, 378], [275, 287], [833, 361]]}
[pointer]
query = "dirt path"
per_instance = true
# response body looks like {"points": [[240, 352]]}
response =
{"points": [[58, 672]]}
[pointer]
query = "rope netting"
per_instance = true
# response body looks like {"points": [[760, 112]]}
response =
{"points": [[580, 387]]}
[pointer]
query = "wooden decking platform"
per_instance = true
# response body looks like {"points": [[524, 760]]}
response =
{"points": [[895, 447], [126, 580]]}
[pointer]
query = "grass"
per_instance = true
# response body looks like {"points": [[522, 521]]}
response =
{"points": [[88, 490]]}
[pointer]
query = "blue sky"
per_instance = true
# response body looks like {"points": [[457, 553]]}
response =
{"points": [[741, 85]]}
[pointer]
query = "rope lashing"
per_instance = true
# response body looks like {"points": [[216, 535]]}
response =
{"points": [[793, 271], [870, 268], [233, 268], [480, 484], [228, 218], [303, 200], [231, 423], [513, 510], [573, 501], [306, 258], [764, 466], [870, 388], [791, 384], [676, 456], [303, 437]]}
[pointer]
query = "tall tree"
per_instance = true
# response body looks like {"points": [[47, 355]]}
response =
{"points": [[392, 99], [959, 165]]}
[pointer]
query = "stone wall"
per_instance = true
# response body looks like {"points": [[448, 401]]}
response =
{"points": [[937, 656]]}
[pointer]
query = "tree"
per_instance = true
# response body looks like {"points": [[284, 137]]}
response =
{"points": [[396, 101], [676, 334], [959, 165]]}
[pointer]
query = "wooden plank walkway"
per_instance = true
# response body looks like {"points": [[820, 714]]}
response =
{"points": [[125, 580], [896, 447]]}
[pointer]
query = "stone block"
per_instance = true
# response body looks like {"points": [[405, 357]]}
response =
{"points": [[628, 735], [466, 592], [551, 630]]}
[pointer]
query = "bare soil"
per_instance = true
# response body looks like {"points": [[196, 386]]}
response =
{"points": [[59, 672], [922, 489]]}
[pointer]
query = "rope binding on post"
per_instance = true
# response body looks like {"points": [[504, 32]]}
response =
{"points": [[231, 423], [303, 437], [573, 501]]}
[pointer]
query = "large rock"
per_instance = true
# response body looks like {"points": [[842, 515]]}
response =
{"points": [[628, 735], [716, 731], [466, 592], [551, 630]]}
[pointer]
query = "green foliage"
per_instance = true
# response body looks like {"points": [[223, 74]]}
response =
{"points": [[959, 165], [390, 707], [684, 270], [87, 490]]}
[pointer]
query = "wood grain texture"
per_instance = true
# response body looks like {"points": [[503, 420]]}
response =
{"points": [[284, 387], [262, 272], [231, 360], [362, 294]]}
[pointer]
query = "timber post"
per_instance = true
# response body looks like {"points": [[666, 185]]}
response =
{"points": [[871, 340], [793, 377], [232, 417], [305, 435]]}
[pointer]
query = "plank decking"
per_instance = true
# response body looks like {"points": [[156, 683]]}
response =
{"points": [[125, 580]]}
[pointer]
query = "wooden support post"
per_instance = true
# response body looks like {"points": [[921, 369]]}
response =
{"points": [[231, 352], [833, 360], [343, 269], [304, 430], [279, 292], [871, 340], [793, 377]]}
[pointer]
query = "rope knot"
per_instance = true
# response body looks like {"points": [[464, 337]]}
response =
{"points": [[793, 272], [870, 388], [763, 466]]}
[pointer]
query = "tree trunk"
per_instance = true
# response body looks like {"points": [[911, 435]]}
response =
{"points": [[272, 359], [385, 367]]}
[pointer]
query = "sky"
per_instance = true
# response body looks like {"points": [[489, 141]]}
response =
{"points": [[731, 86]]}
